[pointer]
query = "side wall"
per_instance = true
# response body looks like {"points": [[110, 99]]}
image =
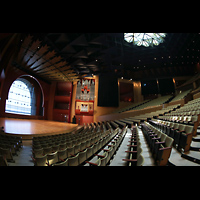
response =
{"points": [[6, 80]]}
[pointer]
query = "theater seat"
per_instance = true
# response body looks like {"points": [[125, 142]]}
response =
{"points": [[40, 161], [96, 163], [164, 151], [74, 161], [140, 160], [64, 163], [52, 158]]}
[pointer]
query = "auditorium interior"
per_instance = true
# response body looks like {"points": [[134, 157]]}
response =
{"points": [[99, 99]]}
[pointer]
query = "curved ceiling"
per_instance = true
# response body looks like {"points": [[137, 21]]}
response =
{"points": [[69, 56]]}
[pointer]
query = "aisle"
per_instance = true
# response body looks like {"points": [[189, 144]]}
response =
{"points": [[24, 155], [148, 159], [121, 154]]}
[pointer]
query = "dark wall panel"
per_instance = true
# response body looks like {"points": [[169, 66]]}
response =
{"points": [[108, 95], [166, 86]]}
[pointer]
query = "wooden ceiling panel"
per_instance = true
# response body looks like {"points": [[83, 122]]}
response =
{"points": [[46, 64], [33, 60], [43, 66], [35, 46]]}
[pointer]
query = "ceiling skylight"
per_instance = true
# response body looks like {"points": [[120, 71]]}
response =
{"points": [[145, 39]]}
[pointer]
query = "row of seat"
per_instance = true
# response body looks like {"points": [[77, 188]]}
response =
{"points": [[9, 146], [160, 144], [61, 144], [143, 117], [187, 120], [191, 106], [106, 154], [181, 95], [76, 154], [182, 134], [81, 140], [134, 151], [63, 136], [73, 138]]}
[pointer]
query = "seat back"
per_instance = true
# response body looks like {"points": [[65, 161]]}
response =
{"points": [[90, 151], [70, 150], [38, 152], [189, 129], [52, 158], [172, 125], [64, 163], [181, 127], [169, 141], [140, 160], [176, 125], [163, 137], [98, 162], [41, 161], [74, 161], [194, 118], [62, 154], [139, 151], [159, 133], [82, 156], [77, 148], [47, 150], [105, 159]]}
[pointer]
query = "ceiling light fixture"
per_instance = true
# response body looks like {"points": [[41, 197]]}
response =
{"points": [[145, 39]]}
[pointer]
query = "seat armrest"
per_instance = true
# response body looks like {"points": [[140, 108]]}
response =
{"points": [[153, 135], [91, 163], [101, 156], [33, 158], [156, 138], [131, 151], [130, 160], [106, 149], [165, 148], [160, 142], [48, 163]]}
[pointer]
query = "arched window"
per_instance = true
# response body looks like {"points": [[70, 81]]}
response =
{"points": [[21, 98]]}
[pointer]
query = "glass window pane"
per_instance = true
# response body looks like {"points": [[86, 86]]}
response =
{"points": [[145, 39], [19, 99]]}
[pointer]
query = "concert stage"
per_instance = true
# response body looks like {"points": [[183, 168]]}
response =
{"points": [[28, 128]]}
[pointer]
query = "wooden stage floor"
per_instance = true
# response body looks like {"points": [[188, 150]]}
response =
{"points": [[28, 128]]}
